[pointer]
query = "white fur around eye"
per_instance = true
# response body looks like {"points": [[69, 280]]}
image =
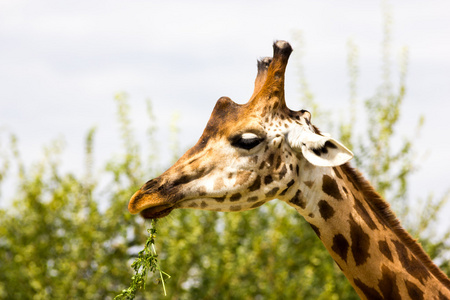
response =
{"points": [[249, 136]]}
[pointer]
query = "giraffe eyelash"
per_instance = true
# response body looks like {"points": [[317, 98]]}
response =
{"points": [[246, 141]]}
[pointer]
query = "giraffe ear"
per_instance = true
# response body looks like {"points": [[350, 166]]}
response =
{"points": [[322, 151]]}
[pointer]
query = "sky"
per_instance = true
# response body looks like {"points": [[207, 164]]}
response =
{"points": [[62, 62]]}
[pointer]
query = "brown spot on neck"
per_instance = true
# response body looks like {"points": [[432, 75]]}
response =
{"points": [[361, 210], [278, 162], [367, 291], [411, 264], [387, 219], [290, 183], [268, 179], [326, 210], [338, 174], [385, 250], [255, 185], [414, 291], [298, 200], [283, 171], [330, 187], [309, 183], [269, 160], [340, 246], [316, 229], [272, 192], [388, 284], [360, 242]]}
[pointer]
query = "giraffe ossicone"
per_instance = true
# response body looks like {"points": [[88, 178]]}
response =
{"points": [[252, 153]]}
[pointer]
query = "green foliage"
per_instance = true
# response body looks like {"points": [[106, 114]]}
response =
{"points": [[63, 235], [55, 240], [146, 261], [71, 235]]}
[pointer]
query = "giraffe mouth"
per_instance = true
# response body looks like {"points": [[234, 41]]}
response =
{"points": [[156, 212]]}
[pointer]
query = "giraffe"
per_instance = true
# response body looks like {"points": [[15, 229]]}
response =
{"points": [[252, 153]]}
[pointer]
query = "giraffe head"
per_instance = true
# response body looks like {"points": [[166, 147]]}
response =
{"points": [[247, 155]]}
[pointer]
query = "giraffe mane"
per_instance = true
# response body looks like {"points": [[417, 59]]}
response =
{"points": [[383, 211]]}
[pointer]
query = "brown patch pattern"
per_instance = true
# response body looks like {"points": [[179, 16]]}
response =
{"points": [[235, 197], [413, 291], [388, 284], [345, 190], [309, 183], [272, 192], [361, 210], [340, 246], [316, 229], [325, 209], [388, 220], [278, 162], [259, 203], [268, 179], [235, 207], [369, 292], [270, 159], [337, 173], [297, 200], [412, 265], [220, 199], [283, 171], [384, 249], [256, 184], [202, 191], [252, 199], [442, 297], [360, 243], [353, 181], [290, 183], [330, 187]]}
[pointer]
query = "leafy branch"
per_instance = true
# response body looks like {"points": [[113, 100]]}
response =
{"points": [[146, 261]]}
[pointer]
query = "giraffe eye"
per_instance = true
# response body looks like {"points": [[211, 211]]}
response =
{"points": [[246, 141]]}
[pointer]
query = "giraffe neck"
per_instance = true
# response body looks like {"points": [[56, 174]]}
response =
{"points": [[361, 233]]}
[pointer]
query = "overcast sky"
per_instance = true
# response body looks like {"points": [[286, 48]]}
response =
{"points": [[63, 61]]}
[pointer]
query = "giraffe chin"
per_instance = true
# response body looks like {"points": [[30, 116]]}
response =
{"points": [[156, 212]]}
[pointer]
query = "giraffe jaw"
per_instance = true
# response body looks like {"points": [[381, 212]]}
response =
{"points": [[156, 212]]}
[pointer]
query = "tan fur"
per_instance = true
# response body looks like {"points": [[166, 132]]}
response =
{"points": [[382, 208]]}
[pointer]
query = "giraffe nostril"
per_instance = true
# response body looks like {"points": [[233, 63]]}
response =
{"points": [[150, 184]]}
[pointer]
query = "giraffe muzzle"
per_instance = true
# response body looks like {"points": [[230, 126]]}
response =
{"points": [[157, 198], [150, 205]]}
